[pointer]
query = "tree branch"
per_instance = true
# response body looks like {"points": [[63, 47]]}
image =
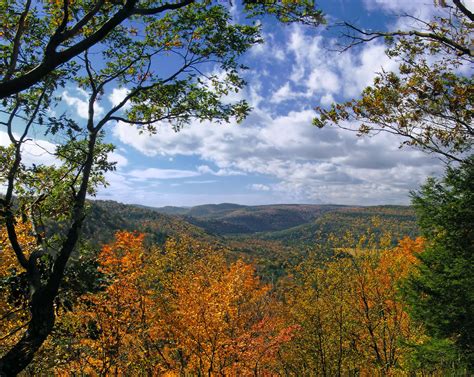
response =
{"points": [[17, 42], [55, 40], [372, 35], [464, 10], [160, 9], [55, 59], [82, 22]]}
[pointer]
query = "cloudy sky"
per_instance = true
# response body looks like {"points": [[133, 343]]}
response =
{"points": [[275, 155]]}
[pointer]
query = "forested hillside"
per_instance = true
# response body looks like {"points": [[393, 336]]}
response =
{"points": [[177, 103], [314, 223], [243, 230], [108, 217], [397, 220]]}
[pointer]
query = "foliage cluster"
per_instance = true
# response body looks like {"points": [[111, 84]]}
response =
{"points": [[429, 100], [181, 309], [187, 308]]}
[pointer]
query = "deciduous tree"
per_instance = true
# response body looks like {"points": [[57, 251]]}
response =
{"points": [[41, 39], [54, 195], [349, 312], [221, 320], [428, 101]]}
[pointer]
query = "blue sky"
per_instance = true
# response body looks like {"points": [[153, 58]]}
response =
{"points": [[275, 155]]}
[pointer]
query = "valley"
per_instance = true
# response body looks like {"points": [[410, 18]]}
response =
{"points": [[272, 237]]}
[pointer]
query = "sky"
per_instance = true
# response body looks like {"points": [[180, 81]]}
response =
{"points": [[275, 155]]}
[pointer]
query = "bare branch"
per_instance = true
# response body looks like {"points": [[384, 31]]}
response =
{"points": [[367, 36]]}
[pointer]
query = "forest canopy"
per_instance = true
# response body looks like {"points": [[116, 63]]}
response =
{"points": [[103, 288]]}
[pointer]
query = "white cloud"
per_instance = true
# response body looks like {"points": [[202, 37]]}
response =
{"points": [[327, 99], [359, 70], [121, 160], [34, 151], [269, 49], [419, 8], [282, 94], [118, 95], [259, 187], [318, 69], [205, 169], [81, 105], [200, 182], [328, 165], [286, 93], [154, 173], [323, 80]]}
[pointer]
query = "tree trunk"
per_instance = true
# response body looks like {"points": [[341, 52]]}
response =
{"points": [[40, 326], [42, 300]]}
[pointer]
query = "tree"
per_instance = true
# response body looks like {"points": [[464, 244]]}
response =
{"points": [[112, 325], [440, 292], [349, 313], [98, 46], [429, 101], [52, 197], [39, 38], [13, 309], [181, 309], [218, 319]]}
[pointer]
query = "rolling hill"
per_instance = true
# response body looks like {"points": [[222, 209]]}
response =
{"points": [[226, 219], [272, 237]]}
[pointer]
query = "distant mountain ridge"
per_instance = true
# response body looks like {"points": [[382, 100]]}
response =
{"points": [[282, 222], [271, 236], [228, 218]]}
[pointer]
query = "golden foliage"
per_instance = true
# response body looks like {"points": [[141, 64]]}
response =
{"points": [[182, 309], [351, 316], [14, 314]]}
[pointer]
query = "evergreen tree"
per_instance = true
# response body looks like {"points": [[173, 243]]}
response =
{"points": [[440, 292]]}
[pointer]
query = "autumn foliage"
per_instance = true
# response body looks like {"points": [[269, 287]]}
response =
{"points": [[351, 317], [221, 320], [165, 312], [187, 309], [14, 313]]}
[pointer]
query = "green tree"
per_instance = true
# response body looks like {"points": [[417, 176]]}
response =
{"points": [[46, 45], [39, 38], [430, 100], [52, 197], [440, 292]]}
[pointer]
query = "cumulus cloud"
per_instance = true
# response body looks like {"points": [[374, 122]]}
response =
{"points": [[80, 104], [318, 70], [423, 8], [327, 99], [259, 187], [120, 160], [118, 95], [34, 151], [278, 142], [328, 165], [154, 173], [284, 93], [287, 93], [205, 169], [268, 50]]}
